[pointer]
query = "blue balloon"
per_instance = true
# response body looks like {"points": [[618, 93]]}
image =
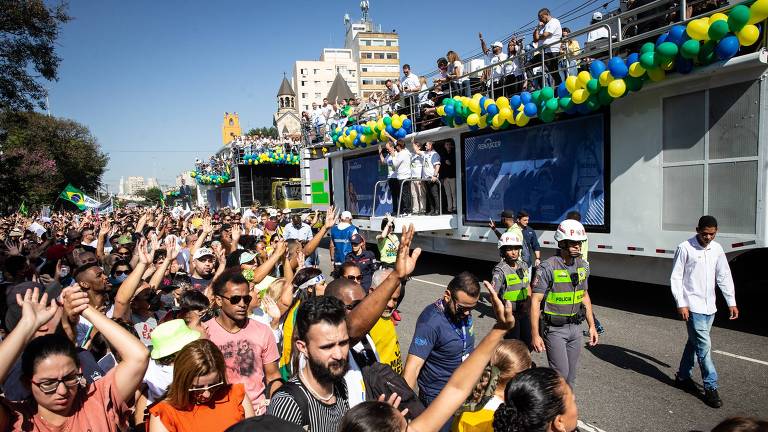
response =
{"points": [[677, 35], [530, 109], [525, 97], [562, 90], [662, 38], [390, 130], [596, 68], [683, 66], [727, 47], [347, 131], [482, 105], [515, 101], [492, 110], [401, 133], [632, 58], [617, 67], [449, 110], [459, 120], [407, 125]]}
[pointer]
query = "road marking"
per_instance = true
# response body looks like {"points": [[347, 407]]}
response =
{"points": [[741, 357], [428, 282], [586, 427]]}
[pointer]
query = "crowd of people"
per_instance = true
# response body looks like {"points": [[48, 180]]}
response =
{"points": [[215, 164], [147, 320], [253, 144]]}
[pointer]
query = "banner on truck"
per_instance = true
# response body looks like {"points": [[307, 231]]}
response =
{"points": [[361, 175], [547, 170]]}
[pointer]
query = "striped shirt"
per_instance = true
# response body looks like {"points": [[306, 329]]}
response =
{"points": [[322, 417]]}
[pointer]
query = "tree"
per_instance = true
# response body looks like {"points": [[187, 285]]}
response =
{"points": [[153, 195], [41, 154], [28, 32], [270, 132]]}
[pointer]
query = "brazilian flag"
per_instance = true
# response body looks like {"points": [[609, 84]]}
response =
{"points": [[73, 195], [23, 210]]}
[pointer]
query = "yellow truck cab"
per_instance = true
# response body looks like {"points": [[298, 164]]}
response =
{"points": [[287, 194]]}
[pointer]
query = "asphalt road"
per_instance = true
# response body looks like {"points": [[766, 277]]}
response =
{"points": [[625, 382]]}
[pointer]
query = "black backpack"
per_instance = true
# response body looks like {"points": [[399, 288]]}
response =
{"points": [[379, 379]]}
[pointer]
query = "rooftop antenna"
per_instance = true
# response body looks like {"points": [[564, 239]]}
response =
{"points": [[364, 7], [346, 20]]}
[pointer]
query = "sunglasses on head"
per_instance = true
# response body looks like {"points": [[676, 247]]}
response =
{"points": [[236, 299], [357, 278]]}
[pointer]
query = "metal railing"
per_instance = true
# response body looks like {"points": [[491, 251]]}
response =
{"points": [[400, 197], [423, 113]]}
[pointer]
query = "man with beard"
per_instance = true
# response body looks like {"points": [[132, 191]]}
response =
{"points": [[203, 267], [249, 348], [443, 339], [93, 281]]}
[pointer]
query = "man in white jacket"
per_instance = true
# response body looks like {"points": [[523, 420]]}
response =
{"points": [[699, 265]]}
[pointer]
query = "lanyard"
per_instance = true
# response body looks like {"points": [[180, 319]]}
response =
{"points": [[461, 332]]}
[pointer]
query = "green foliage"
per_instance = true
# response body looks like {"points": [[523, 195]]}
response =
{"points": [[41, 154], [270, 132], [153, 195], [28, 33]]}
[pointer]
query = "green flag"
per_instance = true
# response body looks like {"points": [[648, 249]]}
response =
{"points": [[23, 210], [73, 195]]}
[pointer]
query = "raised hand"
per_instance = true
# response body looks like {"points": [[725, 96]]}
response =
{"points": [[300, 259], [105, 228], [34, 308], [406, 261], [505, 318], [144, 256], [207, 225], [75, 302], [270, 307], [280, 247], [171, 248], [13, 247], [331, 217]]}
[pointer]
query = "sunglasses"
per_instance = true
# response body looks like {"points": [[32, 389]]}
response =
{"points": [[352, 305], [206, 388], [121, 272], [461, 309], [236, 299], [357, 278], [69, 381]]}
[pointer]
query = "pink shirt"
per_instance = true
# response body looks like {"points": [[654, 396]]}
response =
{"points": [[98, 408], [245, 354]]}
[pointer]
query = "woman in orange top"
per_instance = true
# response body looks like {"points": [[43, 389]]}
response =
{"points": [[199, 398]]}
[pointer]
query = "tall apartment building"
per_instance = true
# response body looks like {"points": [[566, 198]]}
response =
{"points": [[134, 185], [312, 79], [376, 52]]}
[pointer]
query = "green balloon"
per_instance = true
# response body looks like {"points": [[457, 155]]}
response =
{"points": [[593, 103], [738, 18], [367, 130], [547, 93], [668, 50], [593, 86], [547, 116], [718, 29], [536, 96], [387, 120], [647, 47], [690, 49], [565, 102], [648, 60], [604, 97], [551, 104], [707, 53]]}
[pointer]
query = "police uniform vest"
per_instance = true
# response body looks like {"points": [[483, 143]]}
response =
{"points": [[563, 302]]}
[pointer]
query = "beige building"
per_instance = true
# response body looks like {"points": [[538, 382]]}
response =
{"points": [[312, 79], [377, 54], [134, 185], [286, 119]]}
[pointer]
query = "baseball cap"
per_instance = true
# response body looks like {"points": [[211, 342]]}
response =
{"points": [[346, 215], [356, 239], [508, 214], [170, 337], [286, 211], [202, 252], [597, 16], [272, 212], [247, 257], [497, 44]]}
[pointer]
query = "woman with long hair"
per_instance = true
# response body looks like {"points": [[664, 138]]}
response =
{"points": [[199, 397], [510, 358], [459, 84]]}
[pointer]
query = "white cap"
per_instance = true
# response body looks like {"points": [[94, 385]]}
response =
{"points": [[510, 239], [346, 215], [286, 211], [570, 229], [202, 252], [497, 44], [597, 16], [272, 212]]}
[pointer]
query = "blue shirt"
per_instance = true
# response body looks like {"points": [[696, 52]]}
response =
{"points": [[341, 244], [442, 344], [531, 243]]}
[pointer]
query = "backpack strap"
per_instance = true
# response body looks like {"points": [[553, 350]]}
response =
{"points": [[299, 397]]}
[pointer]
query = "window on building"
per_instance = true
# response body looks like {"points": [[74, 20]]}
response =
{"points": [[378, 56], [392, 43], [303, 71], [366, 55], [709, 157], [365, 42], [368, 82], [303, 83], [315, 71], [363, 69], [305, 95], [378, 42], [317, 95], [392, 56], [317, 82]]}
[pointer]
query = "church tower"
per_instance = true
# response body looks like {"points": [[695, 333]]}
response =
{"points": [[230, 128], [286, 119]]}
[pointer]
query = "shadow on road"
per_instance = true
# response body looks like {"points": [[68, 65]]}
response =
{"points": [[638, 362]]}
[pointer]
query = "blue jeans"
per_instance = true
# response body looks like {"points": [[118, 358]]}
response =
{"points": [[699, 346]]}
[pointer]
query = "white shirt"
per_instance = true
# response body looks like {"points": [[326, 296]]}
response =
{"points": [[499, 71], [431, 161], [390, 166], [411, 81], [695, 272], [354, 376], [402, 163], [552, 26], [157, 378], [417, 166], [304, 233], [599, 33], [452, 70]]}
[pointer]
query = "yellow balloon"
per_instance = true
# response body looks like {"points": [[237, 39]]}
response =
{"points": [[473, 119], [748, 35], [656, 74], [718, 17], [477, 96], [636, 70], [483, 123], [440, 111], [502, 102], [474, 106], [617, 88], [579, 96], [698, 29], [521, 119], [382, 126], [605, 78], [396, 122], [488, 102], [584, 78], [758, 11], [496, 121], [571, 83], [506, 114]]}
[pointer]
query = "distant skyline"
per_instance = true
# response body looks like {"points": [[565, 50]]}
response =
{"points": [[152, 80]]}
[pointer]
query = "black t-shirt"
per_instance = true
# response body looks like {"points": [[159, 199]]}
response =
{"points": [[200, 284]]}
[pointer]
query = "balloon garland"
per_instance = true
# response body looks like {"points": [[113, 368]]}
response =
{"points": [[172, 194], [372, 132], [209, 179], [702, 42], [278, 157]]}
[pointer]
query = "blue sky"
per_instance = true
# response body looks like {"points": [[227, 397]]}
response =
{"points": [[152, 79]]}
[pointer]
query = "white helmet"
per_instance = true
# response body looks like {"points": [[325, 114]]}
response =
{"points": [[570, 229], [510, 239]]}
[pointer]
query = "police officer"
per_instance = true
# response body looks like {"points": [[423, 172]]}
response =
{"points": [[561, 281], [512, 281]]}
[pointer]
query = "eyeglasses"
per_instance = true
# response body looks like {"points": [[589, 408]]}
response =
{"points": [[461, 309], [205, 388], [352, 305], [357, 278], [69, 381], [236, 299]]}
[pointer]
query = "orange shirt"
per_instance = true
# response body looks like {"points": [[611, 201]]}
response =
{"points": [[211, 417]]}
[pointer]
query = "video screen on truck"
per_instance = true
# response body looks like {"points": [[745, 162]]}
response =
{"points": [[547, 170], [361, 174]]}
